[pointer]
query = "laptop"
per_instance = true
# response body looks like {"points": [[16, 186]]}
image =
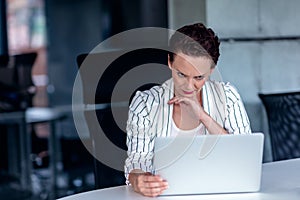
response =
{"points": [[207, 164]]}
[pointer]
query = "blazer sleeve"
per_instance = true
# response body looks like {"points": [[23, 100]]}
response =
{"points": [[236, 121], [139, 140]]}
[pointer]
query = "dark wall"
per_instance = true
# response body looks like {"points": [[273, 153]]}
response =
{"points": [[73, 27], [3, 28], [78, 26]]}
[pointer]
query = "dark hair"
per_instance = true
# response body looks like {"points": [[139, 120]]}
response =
{"points": [[195, 40]]}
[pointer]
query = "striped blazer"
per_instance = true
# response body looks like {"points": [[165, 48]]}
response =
{"points": [[150, 116]]}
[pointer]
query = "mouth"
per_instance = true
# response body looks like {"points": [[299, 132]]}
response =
{"points": [[188, 92]]}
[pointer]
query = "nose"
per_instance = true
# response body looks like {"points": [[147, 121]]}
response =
{"points": [[190, 83]]}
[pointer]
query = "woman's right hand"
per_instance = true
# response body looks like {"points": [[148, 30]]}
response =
{"points": [[147, 184]]}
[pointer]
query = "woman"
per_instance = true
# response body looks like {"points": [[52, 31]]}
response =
{"points": [[187, 103]]}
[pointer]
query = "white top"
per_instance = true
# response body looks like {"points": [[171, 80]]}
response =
{"points": [[195, 131], [280, 181], [150, 116]]}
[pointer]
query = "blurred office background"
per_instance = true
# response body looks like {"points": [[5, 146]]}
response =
{"points": [[259, 54]]}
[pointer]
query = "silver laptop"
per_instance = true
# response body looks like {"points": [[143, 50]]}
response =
{"points": [[210, 163]]}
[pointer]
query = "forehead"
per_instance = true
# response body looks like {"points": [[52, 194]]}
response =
{"points": [[191, 65]]}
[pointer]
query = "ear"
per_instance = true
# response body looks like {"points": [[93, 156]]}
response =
{"points": [[169, 62]]}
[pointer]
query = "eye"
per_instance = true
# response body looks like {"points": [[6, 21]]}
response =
{"points": [[181, 75], [199, 78]]}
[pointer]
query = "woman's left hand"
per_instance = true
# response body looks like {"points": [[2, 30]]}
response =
{"points": [[191, 106], [196, 111]]}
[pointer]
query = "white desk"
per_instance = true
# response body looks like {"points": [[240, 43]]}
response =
{"points": [[280, 181]]}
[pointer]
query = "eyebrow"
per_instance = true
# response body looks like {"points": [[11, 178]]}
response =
{"points": [[186, 75]]}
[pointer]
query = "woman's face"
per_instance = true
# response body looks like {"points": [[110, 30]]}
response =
{"points": [[189, 74]]}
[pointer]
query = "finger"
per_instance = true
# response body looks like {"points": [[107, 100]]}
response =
{"points": [[151, 181], [156, 184], [175, 100], [143, 181], [181, 101], [153, 191], [152, 178], [171, 101], [151, 185]]}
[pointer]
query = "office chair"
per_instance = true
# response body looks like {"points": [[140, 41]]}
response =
{"points": [[16, 93], [106, 176], [16, 86], [283, 112]]}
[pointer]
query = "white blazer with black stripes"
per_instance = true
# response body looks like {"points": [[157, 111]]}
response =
{"points": [[150, 116]]}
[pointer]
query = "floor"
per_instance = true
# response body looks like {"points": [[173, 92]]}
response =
{"points": [[74, 175], [68, 183]]}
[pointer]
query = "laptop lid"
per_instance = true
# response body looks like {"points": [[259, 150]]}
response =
{"points": [[209, 163]]}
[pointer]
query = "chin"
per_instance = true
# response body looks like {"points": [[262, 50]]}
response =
{"points": [[189, 95]]}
